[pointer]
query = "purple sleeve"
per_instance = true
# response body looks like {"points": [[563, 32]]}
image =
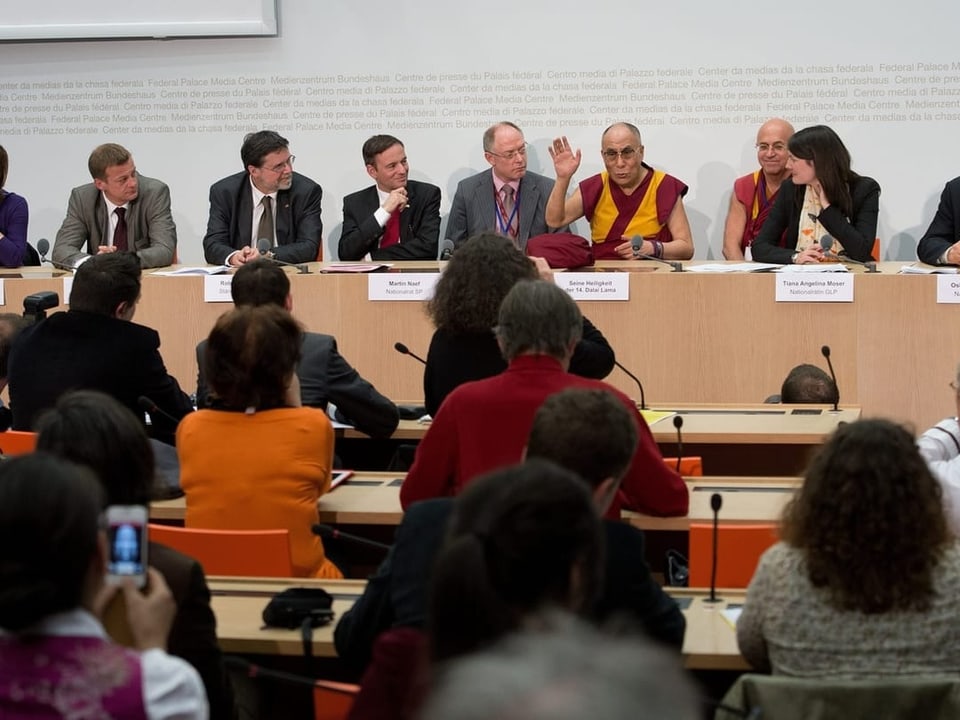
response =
{"points": [[14, 216]]}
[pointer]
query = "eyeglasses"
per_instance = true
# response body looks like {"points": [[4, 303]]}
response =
{"points": [[611, 155], [521, 151], [280, 167], [767, 147]]}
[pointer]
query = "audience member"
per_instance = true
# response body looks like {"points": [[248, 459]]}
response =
{"points": [[259, 461], [120, 210], [395, 218], [324, 374], [865, 580], [940, 447], [754, 194], [940, 244], [565, 670], [14, 217], [96, 346], [509, 200], [94, 430], [629, 200], [822, 197], [267, 200], [808, 384], [591, 433], [53, 555], [483, 425], [464, 310]]}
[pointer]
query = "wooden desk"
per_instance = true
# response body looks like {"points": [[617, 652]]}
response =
{"points": [[693, 338], [745, 500], [367, 498], [710, 642]]}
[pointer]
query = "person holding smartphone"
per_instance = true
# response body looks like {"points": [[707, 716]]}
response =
{"points": [[53, 559]]}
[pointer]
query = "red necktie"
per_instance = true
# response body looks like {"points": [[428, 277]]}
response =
{"points": [[391, 231], [120, 233]]}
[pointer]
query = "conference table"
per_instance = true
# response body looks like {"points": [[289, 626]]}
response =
{"points": [[695, 338], [373, 498], [709, 644]]}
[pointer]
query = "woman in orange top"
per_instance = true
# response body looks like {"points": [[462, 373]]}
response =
{"points": [[258, 460]]}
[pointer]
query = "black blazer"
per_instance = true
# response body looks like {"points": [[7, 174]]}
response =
{"points": [[299, 228], [84, 351], [419, 225], [857, 233], [944, 231]]}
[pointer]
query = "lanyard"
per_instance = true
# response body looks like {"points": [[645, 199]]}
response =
{"points": [[502, 213]]}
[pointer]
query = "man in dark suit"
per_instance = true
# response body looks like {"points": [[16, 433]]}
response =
{"points": [[120, 210], [940, 244], [508, 199], [95, 346], [325, 376], [268, 200], [394, 219]]}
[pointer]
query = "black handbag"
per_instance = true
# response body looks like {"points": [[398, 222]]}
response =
{"points": [[298, 607]]}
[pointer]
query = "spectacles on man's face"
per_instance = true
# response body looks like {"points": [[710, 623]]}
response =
{"points": [[520, 151], [778, 147], [626, 153], [280, 167]]}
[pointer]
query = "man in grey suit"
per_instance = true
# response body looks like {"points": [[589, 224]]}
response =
{"points": [[325, 376], [120, 210], [507, 200]]}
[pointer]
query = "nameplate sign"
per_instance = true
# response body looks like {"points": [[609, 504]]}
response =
{"points": [[948, 289], [3, 295], [594, 285], [216, 288], [814, 287], [67, 289], [417, 287]]}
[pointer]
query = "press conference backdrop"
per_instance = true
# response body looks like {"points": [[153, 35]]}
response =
{"points": [[697, 78]]}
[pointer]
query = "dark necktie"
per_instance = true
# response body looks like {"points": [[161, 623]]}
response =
{"points": [[120, 233], [265, 230], [509, 205], [391, 231]]}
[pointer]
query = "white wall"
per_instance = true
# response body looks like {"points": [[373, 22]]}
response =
{"points": [[391, 65]]}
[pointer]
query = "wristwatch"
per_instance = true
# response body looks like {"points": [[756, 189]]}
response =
{"points": [[794, 257]]}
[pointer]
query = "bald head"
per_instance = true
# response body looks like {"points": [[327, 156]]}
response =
{"points": [[772, 139], [623, 127]]}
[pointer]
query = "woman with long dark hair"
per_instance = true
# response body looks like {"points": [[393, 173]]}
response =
{"points": [[823, 196]]}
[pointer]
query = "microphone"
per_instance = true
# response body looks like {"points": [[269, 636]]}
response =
{"points": [[678, 423], [404, 350], [716, 502], [643, 399], [825, 351], [263, 247], [328, 532], [446, 249], [151, 408], [43, 247], [637, 242], [826, 242]]}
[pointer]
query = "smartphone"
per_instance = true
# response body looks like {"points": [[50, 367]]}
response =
{"points": [[127, 540]]}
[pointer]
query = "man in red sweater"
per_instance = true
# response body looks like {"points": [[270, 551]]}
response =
{"points": [[484, 425]]}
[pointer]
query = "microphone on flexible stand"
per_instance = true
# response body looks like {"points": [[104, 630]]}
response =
{"points": [[826, 242], [151, 408], [716, 502], [643, 399], [825, 351], [678, 423], [263, 247], [43, 247], [446, 249], [404, 350], [331, 533], [637, 242]]}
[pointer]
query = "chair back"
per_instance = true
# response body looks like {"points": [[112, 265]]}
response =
{"points": [[690, 466], [738, 552], [255, 553], [17, 442], [776, 697], [333, 700]]}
